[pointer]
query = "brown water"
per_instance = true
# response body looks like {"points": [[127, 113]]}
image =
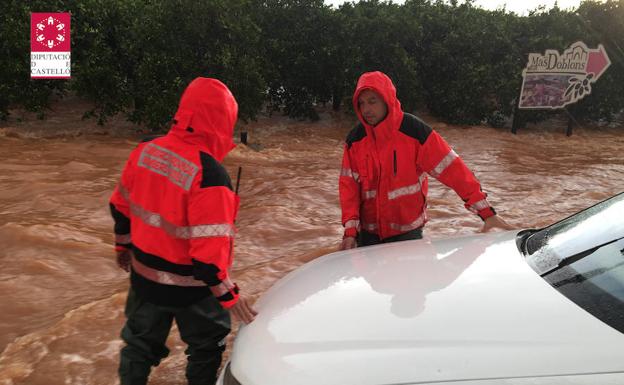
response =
{"points": [[62, 296]]}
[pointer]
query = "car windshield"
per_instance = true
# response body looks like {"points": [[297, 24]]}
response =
{"points": [[582, 256]]}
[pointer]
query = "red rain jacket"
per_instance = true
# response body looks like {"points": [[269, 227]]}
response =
{"points": [[383, 182], [174, 204]]}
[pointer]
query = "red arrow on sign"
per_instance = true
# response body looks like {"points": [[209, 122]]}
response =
{"points": [[598, 62]]}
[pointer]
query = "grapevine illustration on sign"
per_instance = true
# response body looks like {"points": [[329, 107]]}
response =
{"points": [[554, 80]]}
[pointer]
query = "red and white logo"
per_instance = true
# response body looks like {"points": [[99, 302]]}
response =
{"points": [[50, 47]]}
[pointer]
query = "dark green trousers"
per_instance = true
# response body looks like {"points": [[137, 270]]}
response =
{"points": [[203, 327], [365, 238]]}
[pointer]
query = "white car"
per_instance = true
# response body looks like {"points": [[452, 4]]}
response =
{"points": [[537, 307]]}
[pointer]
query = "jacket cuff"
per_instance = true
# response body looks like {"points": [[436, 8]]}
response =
{"points": [[486, 213], [122, 247], [123, 242], [350, 233], [352, 227], [230, 298]]}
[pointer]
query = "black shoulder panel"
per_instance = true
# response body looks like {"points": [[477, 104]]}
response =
{"points": [[149, 138], [415, 128], [213, 173], [357, 133]]}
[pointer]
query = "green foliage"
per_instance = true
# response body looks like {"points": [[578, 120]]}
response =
{"points": [[300, 54], [138, 57], [467, 60], [604, 23], [16, 87], [462, 62], [103, 60], [380, 38]]}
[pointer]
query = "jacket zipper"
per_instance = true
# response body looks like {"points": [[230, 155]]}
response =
{"points": [[395, 163]]}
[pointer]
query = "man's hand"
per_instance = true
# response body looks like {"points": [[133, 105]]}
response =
{"points": [[348, 243], [243, 311], [124, 259], [495, 222]]}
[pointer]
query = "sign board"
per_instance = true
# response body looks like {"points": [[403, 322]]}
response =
{"points": [[554, 80], [50, 48]]}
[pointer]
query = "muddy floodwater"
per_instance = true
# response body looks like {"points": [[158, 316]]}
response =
{"points": [[62, 295]]}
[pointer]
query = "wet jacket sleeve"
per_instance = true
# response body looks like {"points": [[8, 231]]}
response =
{"points": [[438, 159], [211, 214], [120, 205], [349, 190]]}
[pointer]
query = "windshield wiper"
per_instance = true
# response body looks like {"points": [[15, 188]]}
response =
{"points": [[578, 256]]}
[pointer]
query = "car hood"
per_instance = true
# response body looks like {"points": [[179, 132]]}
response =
{"points": [[418, 312]]}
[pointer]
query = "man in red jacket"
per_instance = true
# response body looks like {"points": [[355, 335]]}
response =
{"points": [[174, 212], [383, 182]]}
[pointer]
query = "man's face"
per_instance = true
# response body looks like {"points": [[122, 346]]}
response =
{"points": [[372, 107]]}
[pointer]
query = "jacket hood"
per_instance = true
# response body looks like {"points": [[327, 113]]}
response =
{"points": [[206, 116], [381, 84]]}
